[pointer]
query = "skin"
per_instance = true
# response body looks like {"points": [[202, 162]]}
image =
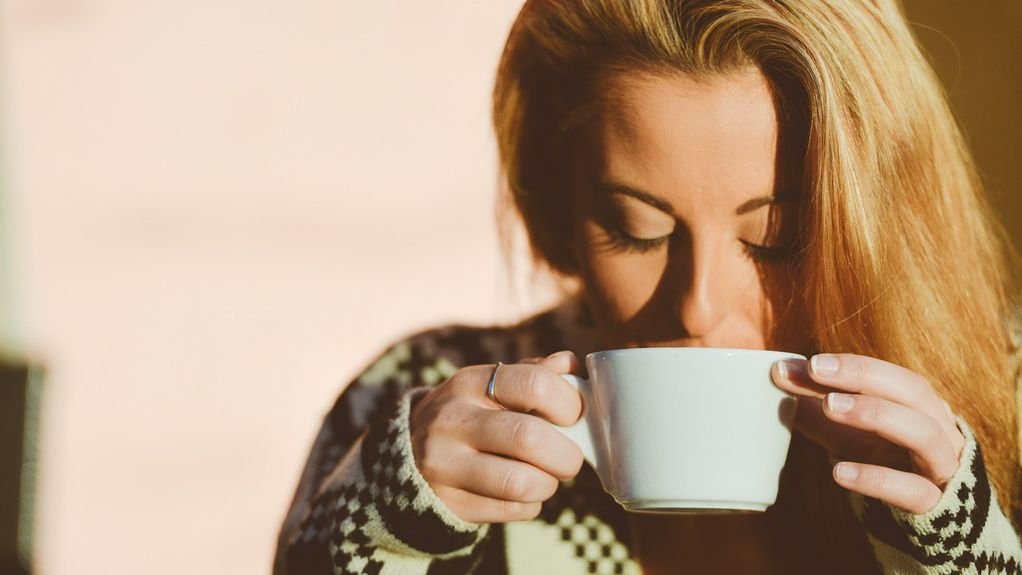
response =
{"points": [[683, 222]]}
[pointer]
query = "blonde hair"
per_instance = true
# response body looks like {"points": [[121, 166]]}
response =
{"points": [[900, 255]]}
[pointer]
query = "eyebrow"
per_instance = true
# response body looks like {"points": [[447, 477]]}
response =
{"points": [[662, 205], [645, 197], [757, 203]]}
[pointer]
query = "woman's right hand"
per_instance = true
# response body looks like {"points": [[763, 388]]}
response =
{"points": [[489, 464]]}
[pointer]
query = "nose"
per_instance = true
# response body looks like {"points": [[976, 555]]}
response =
{"points": [[704, 288]]}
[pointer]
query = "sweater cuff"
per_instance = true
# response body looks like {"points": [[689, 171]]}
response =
{"points": [[944, 539], [407, 506]]}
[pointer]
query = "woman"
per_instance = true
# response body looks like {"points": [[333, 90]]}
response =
{"points": [[779, 174]]}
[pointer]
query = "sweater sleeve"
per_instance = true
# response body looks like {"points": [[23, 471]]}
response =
{"points": [[966, 532], [362, 507]]}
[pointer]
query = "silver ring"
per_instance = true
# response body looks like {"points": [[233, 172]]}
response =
{"points": [[490, 387]]}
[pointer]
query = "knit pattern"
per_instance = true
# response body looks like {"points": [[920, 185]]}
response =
{"points": [[965, 533], [362, 507]]}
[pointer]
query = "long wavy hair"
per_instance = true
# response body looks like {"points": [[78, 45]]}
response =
{"points": [[900, 256]]}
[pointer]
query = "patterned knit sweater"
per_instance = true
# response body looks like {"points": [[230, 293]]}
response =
{"points": [[362, 507]]}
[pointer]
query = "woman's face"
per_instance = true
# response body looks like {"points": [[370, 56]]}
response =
{"points": [[684, 213]]}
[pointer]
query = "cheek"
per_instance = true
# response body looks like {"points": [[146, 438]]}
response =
{"points": [[618, 283], [750, 308], [622, 287], [784, 313], [622, 284]]}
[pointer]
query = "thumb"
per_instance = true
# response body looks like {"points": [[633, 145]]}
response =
{"points": [[562, 362]]}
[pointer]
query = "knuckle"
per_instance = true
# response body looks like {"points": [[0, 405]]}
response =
{"points": [[548, 487], [511, 509], [460, 375], [515, 485], [934, 436], [859, 367], [920, 495], [932, 497], [450, 498], [448, 417], [441, 420], [874, 413], [455, 383], [533, 390], [570, 463], [574, 462], [517, 511], [466, 379], [431, 461], [918, 388], [568, 409], [948, 471], [879, 480], [527, 436]]}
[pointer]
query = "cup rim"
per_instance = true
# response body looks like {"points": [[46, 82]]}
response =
{"points": [[727, 351]]}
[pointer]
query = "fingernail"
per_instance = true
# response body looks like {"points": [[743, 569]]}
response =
{"points": [[557, 353], [791, 368], [824, 364], [839, 402], [847, 471]]}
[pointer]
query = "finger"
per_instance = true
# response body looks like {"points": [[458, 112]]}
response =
{"points": [[907, 491], [526, 438], [478, 509], [837, 439], [457, 465], [871, 376], [534, 389], [500, 478], [561, 362], [932, 451], [792, 376]]}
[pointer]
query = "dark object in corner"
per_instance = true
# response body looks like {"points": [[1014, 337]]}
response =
{"points": [[19, 411]]}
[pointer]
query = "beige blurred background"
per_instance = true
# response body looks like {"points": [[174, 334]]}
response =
{"points": [[216, 211], [976, 50]]}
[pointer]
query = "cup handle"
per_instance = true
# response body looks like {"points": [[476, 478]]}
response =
{"points": [[579, 431]]}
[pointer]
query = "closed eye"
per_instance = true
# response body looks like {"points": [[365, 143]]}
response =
{"points": [[767, 254], [626, 243]]}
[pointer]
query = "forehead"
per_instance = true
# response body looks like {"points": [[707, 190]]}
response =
{"points": [[671, 133]]}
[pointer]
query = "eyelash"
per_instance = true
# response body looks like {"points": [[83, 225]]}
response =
{"points": [[766, 253], [756, 252], [627, 243]]}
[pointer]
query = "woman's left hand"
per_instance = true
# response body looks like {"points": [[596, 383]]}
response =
{"points": [[896, 438]]}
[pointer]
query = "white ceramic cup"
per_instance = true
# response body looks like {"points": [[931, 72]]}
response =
{"points": [[685, 430]]}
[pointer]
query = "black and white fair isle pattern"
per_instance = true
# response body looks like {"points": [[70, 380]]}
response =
{"points": [[353, 526], [390, 503], [593, 525], [596, 543], [341, 533], [946, 543]]}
